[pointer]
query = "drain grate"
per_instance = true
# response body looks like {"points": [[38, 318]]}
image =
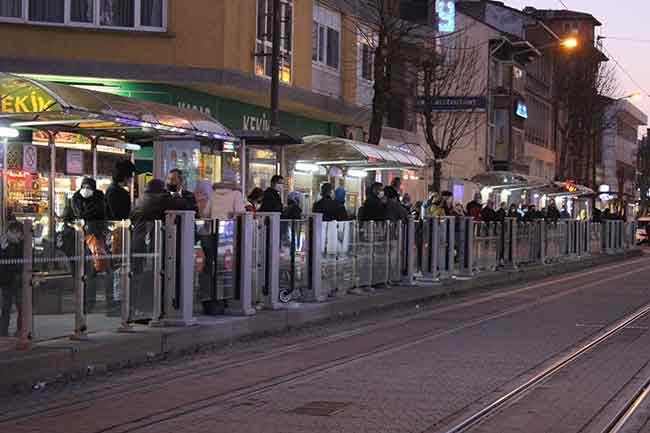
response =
{"points": [[320, 408]]}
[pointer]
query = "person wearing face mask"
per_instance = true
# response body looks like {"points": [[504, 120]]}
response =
{"points": [[11, 251], [176, 187], [118, 199], [374, 208], [254, 200], [272, 201]]}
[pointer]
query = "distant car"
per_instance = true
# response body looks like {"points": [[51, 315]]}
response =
{"points": [[641, 230]]}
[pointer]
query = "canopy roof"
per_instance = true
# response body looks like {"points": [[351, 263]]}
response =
{"points": [[507, 179], [26, 102], [326, 150], [559, 189]]}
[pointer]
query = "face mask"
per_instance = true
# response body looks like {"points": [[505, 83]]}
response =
{"points": [[172, 188], [380, 194], [279, 188], [86, 193]]}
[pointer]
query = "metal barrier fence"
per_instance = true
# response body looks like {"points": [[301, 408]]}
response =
{"points": [[104, 275]]}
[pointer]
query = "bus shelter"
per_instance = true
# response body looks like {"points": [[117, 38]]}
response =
{"points": [[91, 121]]}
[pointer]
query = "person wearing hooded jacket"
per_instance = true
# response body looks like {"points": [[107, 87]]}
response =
{"points": [[330, 208], [118, 199]]}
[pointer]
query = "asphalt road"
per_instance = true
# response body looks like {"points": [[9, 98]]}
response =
{"points": [[415, 370]]}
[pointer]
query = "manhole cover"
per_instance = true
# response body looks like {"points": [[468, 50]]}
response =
{"points": [[321, 408]]}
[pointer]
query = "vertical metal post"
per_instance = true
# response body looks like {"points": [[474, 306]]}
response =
{"points": [[410, 256], [93, 150], [125, 276], [51, 193], [371, 244], [451, 246], [5, 193], [179, 268], [273, 271], [243, 169], [79, 286], [243, 302], [26, 311], [542, 242], [132, 181], [510, 244], [316, 292], [158, 281]]}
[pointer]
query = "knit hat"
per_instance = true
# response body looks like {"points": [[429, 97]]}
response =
{"points": [[89, 181]]}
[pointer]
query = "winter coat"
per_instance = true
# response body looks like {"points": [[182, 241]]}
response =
{"points": [[292, 212], [552, 214], [374, 209], [488, 214], [118, 203], [396, 212], [152, 206], [474, 209], [190, 200], [272, 202], [226, 203], [11, 272], [501, 215], [331, 209], [92, 210]]}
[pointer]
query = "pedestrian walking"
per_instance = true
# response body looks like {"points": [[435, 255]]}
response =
{"points": [[118, 198], [330, 208], [176, 187], [272, 200]]}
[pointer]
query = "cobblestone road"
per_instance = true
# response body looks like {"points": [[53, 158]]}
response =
{"points": [[404, 371]]}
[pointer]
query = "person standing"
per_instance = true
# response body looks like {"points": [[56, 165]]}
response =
{"points": [[331, 209], [487, 213], [176, 187], [293, 210], [227, 201], [11, 276], [396, 184], [118, 198], [552, 213], [448, 203], [474, 207], [394, 209], [254, 200], [374, 208], [203, 195], [502, 212], [272, 200]]}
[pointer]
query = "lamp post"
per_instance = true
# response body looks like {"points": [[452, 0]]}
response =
{"points": [[5, 135]]}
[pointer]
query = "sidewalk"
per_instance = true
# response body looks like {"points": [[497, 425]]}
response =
{"points": [[64, 360]]}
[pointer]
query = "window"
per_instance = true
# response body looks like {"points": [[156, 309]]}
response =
{"points": [[367, 62], [326, 37], [119, 14], [264, 40]]}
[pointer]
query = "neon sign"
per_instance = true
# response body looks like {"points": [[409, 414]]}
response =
{"points": [[446, 10], [522, 110]]}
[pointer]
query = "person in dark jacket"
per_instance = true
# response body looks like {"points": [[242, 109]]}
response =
{"points": [[514, 212], [374, 208], [118, 199], [488, 214], [394, 210], [88, 204], [552, 213], [474, 207], [272, 201], [154, 202], [293, 210], [532, 214], [176, 187], [330, 208], [502, 212], [11, 251], [564, 214]]}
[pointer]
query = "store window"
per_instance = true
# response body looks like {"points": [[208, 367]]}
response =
{"points": [[149, 15], [264, 40], [367, 62]]}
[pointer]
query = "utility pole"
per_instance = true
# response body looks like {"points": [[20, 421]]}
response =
{"points": [[275, 67]]}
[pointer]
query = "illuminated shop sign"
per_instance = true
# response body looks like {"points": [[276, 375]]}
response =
{"points": [[446, 10], [522, 110]]}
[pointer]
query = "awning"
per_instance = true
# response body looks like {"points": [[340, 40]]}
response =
{"points": [[559, 189], [507, 179], [326, 150], [267, 138], [25, 102]]}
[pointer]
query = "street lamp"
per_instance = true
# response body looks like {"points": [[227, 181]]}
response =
{"points": [[570, 43]]}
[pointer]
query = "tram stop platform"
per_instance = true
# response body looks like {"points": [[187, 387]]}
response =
{"points": [[62, 360]]}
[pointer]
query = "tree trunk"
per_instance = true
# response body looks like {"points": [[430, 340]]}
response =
{"points": [[437, 175]]}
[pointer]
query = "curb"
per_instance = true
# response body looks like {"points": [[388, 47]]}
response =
{"points": [[62, 361]]}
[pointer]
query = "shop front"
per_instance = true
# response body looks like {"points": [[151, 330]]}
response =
{"points": [[262, 159]]}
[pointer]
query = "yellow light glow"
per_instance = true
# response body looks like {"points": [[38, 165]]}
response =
{"points": [[635, 96], [570, 43]]}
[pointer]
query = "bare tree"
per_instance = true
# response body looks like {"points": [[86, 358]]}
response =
{"points": [[450, 79], [584, 86], [379, 25]]}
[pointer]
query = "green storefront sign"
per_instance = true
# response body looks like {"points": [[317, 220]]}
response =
{"points": [[233, 114]]}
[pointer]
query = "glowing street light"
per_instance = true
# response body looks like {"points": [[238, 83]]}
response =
{"points": [[632, 96], [570, 43]]}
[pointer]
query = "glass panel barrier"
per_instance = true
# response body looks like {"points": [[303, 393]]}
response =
{"points": [[259, 261], [346, 266], [523, 243], [380, 262], [103, 241], [328, 256], [395, 251], [446, 233], [146, 250], [595, 238], [294, 258], [55, 263], [487, 239], [364, 259]]}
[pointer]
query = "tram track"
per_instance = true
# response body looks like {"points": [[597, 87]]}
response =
{"points": [[223, 398]]}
